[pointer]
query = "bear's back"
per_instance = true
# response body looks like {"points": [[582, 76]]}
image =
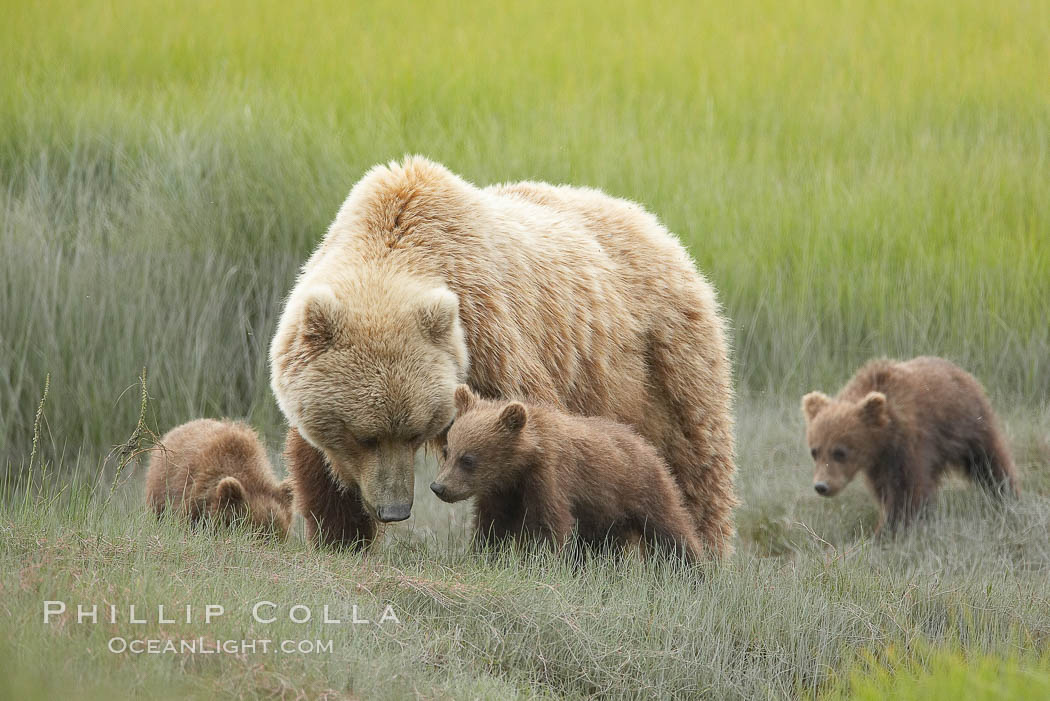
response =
{"points": [[923, 391], [625, 232], [602, 452], [592, 283], [193, 457]]}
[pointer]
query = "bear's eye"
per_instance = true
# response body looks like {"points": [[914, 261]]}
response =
{"points": [[415, 438], [813, 452], [467, 462], [368, 443], [838, 454]]}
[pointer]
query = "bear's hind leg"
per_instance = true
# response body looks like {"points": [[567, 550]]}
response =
{"points": [[669, 537], [696, 393], [335, 515], [666, 525], [990, 464]]}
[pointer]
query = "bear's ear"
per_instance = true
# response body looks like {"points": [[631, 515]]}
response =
{"points": [[286, 492], [437, 315], [873, 409], [464, 399], [229, 492], [319, 313], [513, 417], [813, 403]]}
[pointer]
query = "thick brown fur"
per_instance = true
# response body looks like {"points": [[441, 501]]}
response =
{"points": [[537, 473], [903, 425], [334, 514], [549, 294], [218, 470]]}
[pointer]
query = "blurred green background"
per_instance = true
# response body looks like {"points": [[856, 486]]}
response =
{"points": [[856, 178]]}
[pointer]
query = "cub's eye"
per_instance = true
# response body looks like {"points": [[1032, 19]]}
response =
{"points": [[468, 461], [813, 452], [368, 443], [415, 438], [838, 454], [444, 452]]}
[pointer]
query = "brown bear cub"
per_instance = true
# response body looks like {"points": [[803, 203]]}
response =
{"points": [[537, 473], [208, 469], [903, 425]]}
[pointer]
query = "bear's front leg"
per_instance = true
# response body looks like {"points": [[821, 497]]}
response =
{"points": [[334, 513], [496, 520], [552, 523], [900, 508], [488, 532]]}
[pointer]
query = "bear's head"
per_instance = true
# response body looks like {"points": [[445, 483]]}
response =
{"points": [[845, 437], [264, 513], [483, 448], [365, 369]]}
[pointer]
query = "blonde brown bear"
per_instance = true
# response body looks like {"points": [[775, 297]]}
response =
{"points": [[539, 474], [218, 470], [903, 425], [552, 295]]}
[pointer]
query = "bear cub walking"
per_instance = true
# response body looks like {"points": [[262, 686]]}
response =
{"points": [[538, 472], [903, 425], [218, 470]]}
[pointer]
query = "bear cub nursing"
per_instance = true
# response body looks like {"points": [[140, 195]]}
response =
{"points": [[208, 469], [537, 473], [903, 425]]}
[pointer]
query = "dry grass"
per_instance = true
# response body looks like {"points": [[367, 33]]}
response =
{"points": [[807, 594], [856, 179]]}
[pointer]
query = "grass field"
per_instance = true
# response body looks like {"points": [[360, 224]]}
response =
{"points": [[856, 179], [806, 598]]}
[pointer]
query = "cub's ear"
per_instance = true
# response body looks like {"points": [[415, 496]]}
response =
{"points": [[286, 492], [873, 409], [438, 315], [229, 492], [513, 417], [464, 399], [813, 403], [319, 328]]}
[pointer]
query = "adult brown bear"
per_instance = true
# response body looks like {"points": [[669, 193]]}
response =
{"points": [[529, 291]]}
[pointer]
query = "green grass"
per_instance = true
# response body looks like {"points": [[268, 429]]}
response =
{"points": [[856, 178], [807, 594], [947, 675]]}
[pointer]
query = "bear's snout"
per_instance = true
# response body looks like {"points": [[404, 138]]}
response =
{"points": [[449, 492], [394, 512]]}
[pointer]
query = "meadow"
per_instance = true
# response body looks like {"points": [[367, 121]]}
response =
{"points": [[855, 178]]}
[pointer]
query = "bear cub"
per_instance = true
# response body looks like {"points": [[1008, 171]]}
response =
{"points": [[903, 425], [537, 473], [218, 470]]}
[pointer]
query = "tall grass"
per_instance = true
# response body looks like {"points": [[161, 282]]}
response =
{"points": [[856, 178]]}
